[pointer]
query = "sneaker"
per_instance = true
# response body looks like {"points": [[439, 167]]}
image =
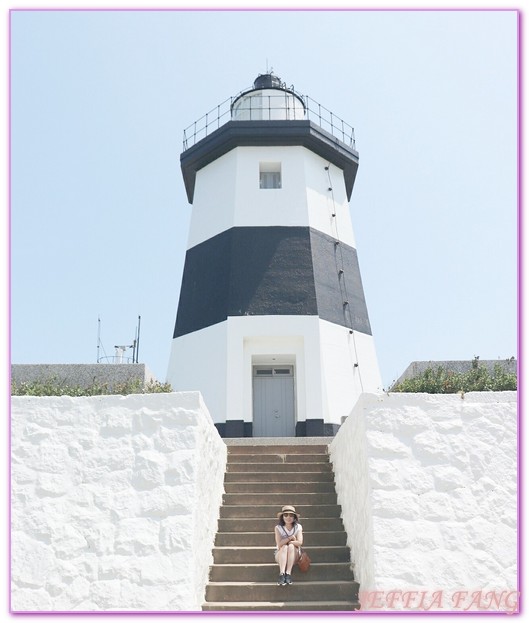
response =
{"points": [[282, 579], [288, 579]]}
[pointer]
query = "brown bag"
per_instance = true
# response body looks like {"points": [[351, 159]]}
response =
{"points": [[304, 561]]}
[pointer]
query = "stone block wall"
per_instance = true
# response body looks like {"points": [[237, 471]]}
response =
{"points": [[416, 368], [82, 375], [428, 488], [115, 501]]}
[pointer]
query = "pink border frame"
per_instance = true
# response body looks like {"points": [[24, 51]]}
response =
{"points": [[520, 309]]}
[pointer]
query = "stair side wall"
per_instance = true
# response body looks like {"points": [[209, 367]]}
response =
{"points": [[430, 483], [115, 502], [349, 456]]}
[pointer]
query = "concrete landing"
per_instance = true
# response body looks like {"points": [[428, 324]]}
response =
{"points": [[277, 441]]}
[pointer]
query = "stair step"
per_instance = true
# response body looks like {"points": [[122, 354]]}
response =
{"points": [[310, 486], [322, 524], [242, 539], [250, 606], [297, 499], [287, 476], [257, 555], [278, 449], [260, 457], [268, 467], [269, 572], [269, 591], [264, 512], [259, 479]]}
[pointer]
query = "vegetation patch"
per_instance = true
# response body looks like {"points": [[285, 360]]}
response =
{"points": [[56, 387], [440, 380]]}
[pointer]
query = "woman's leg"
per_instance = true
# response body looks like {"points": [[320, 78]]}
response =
{"points": [[281, 559], [292, 556]]}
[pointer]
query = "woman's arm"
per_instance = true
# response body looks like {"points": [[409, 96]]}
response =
{"points": [[298, 538], [280, 541]]}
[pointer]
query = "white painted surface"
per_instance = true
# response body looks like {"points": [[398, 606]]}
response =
{"points": [[428, 490], [199, 362], [214, 199], [326, 195], [218, 361], [227, 194], [289, 340], [344, 381], [115, 502]]}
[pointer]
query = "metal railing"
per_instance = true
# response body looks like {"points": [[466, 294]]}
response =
{"points": [[208, 123], [327, 120], [270, 108]]}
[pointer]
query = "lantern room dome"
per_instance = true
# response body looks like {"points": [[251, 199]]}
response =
{"points": [[267, 81], [268, 100]]}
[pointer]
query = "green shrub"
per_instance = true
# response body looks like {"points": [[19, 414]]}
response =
{"points": [[55, 387], [440, 380]]}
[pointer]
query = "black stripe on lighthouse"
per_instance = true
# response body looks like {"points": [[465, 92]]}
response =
{"points": [[269, 271]]}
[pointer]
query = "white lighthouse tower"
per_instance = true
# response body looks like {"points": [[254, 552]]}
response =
{"points": [[272, 325]]}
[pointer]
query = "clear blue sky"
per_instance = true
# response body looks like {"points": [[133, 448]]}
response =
{"points": [[99, 212]]}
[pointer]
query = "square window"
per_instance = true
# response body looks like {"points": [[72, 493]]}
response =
{"points": [[269, 175]]}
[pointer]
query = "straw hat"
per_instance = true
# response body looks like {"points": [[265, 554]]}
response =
{"points": [[288, 509]]}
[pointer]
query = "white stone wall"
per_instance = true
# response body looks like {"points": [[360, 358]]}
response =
{"points": [[428, 488], [115, 501]]}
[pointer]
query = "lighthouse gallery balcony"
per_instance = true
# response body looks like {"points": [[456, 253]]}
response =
{"points": [[269, 113]]}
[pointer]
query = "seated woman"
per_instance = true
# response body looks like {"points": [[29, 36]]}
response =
{"points": [[289, 539]]}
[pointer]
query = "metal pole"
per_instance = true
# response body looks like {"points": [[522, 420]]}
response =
{"points": [[138, 340], [98, 336]]}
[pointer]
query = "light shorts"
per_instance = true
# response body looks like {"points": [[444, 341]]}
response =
{"points": [[276, 552]]}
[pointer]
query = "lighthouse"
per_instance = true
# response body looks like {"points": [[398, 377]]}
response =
{"points": [[272, 324]]}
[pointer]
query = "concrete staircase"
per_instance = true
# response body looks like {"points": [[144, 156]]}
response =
{"points": [[260, 478]]}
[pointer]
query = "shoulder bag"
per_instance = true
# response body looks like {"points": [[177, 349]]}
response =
{"points": [[303, 560]]}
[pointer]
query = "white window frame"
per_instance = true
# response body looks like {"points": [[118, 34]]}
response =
{"points": [[270, 176]]}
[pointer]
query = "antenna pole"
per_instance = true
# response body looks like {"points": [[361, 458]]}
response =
{"points": [[98, 336], [134, 344], [138, 340]]}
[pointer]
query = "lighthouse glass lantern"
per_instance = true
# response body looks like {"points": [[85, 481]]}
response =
{"points": [[272, 325]]}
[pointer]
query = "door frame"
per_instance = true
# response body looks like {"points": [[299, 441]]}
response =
{"points": [[276, 363]]}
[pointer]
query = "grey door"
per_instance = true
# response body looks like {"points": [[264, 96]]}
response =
{"points": [[273, 402]]}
